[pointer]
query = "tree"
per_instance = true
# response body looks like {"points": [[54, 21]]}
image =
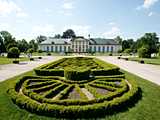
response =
{"points": [[33, 44], [41, 38], [13, 52], [7, 38], [144, 52], [69, 34], [125, 45], [22, 45], [57, 36], [118, 39], [2, 46], [150, 40]]}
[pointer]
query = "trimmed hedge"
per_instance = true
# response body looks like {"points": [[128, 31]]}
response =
{"points": [[105, 68], [74, 111], [71, 74]]}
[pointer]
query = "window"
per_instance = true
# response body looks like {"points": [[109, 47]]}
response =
{"points": [[52, 48], [99, 49], [103, 48], [47, 48], [64, 48], [107, 48], [60, 48], [56, 49], [94, 48], [111, 48]]}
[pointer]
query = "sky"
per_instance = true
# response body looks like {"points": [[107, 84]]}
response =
{"points": [[99, 18]]}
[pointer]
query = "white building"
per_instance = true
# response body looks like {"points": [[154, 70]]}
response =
{"points": [[79, 45]]}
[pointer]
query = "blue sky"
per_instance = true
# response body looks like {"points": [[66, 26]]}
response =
{"points": [[100, 18]]}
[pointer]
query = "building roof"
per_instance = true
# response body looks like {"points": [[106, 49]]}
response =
{"points": [[103, 41], [93, 41], [51, 40]]}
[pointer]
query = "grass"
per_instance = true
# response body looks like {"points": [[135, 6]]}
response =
{"points": [[154, 60], [5, 60], [146, 109]]}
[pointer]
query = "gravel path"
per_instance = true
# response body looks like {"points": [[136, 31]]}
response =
{"points": [[146, 71], [10, 70], [87, 93]]}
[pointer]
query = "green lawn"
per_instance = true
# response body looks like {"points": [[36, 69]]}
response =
{"points": [[5, 60], [148, 108], [154, 60]]}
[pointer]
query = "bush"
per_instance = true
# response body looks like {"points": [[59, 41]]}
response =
{"points": [[128, 51], [30, 50], [141, 61], [159, 51], [31, 59], [13, 52], [144, 52], [40, 51], [72, 74], [47, 72], [16, 61], [49, 54]]}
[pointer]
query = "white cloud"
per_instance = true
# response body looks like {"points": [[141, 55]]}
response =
{"points": [[67, 5], [22, 14], [150, 14], [115, 31], [112, 23], [8, 7], [80, 30], [43, 29], [147, 4]]}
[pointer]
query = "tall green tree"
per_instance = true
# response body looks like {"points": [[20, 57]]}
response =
{"points": [[33, 44], [8, 39], [57, 36], [69, 34], [118, 39], [41, 38], [149, 39], [22, 45]]}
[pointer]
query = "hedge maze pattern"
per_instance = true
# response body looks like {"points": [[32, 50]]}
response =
{"points": [[59, 96]]}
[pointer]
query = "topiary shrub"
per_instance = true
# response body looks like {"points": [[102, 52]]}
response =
{"points": [[13, 52], [40, 51], [144, 52], [72, 74], [16, 61]]}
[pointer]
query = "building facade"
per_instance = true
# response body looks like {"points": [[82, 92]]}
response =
{"points": [[79, 45]]}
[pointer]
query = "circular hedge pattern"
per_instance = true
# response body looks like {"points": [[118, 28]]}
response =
{"points": [[75, 93], [55, 96]]}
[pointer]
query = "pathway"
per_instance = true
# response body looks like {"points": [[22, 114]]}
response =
{"points": [[87, 93], [146, 71], [10, 70]]}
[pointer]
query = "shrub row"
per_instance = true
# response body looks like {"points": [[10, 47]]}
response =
{"points": [[74, 111]]}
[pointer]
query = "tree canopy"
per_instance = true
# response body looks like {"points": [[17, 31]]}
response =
{"points": [[69, 34]]}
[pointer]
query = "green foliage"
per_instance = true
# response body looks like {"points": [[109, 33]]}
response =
{"points": [[13, 52], [144, 52], [128, 51], [72, 74], [31, 50], [150, 40], [69, 34]]}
